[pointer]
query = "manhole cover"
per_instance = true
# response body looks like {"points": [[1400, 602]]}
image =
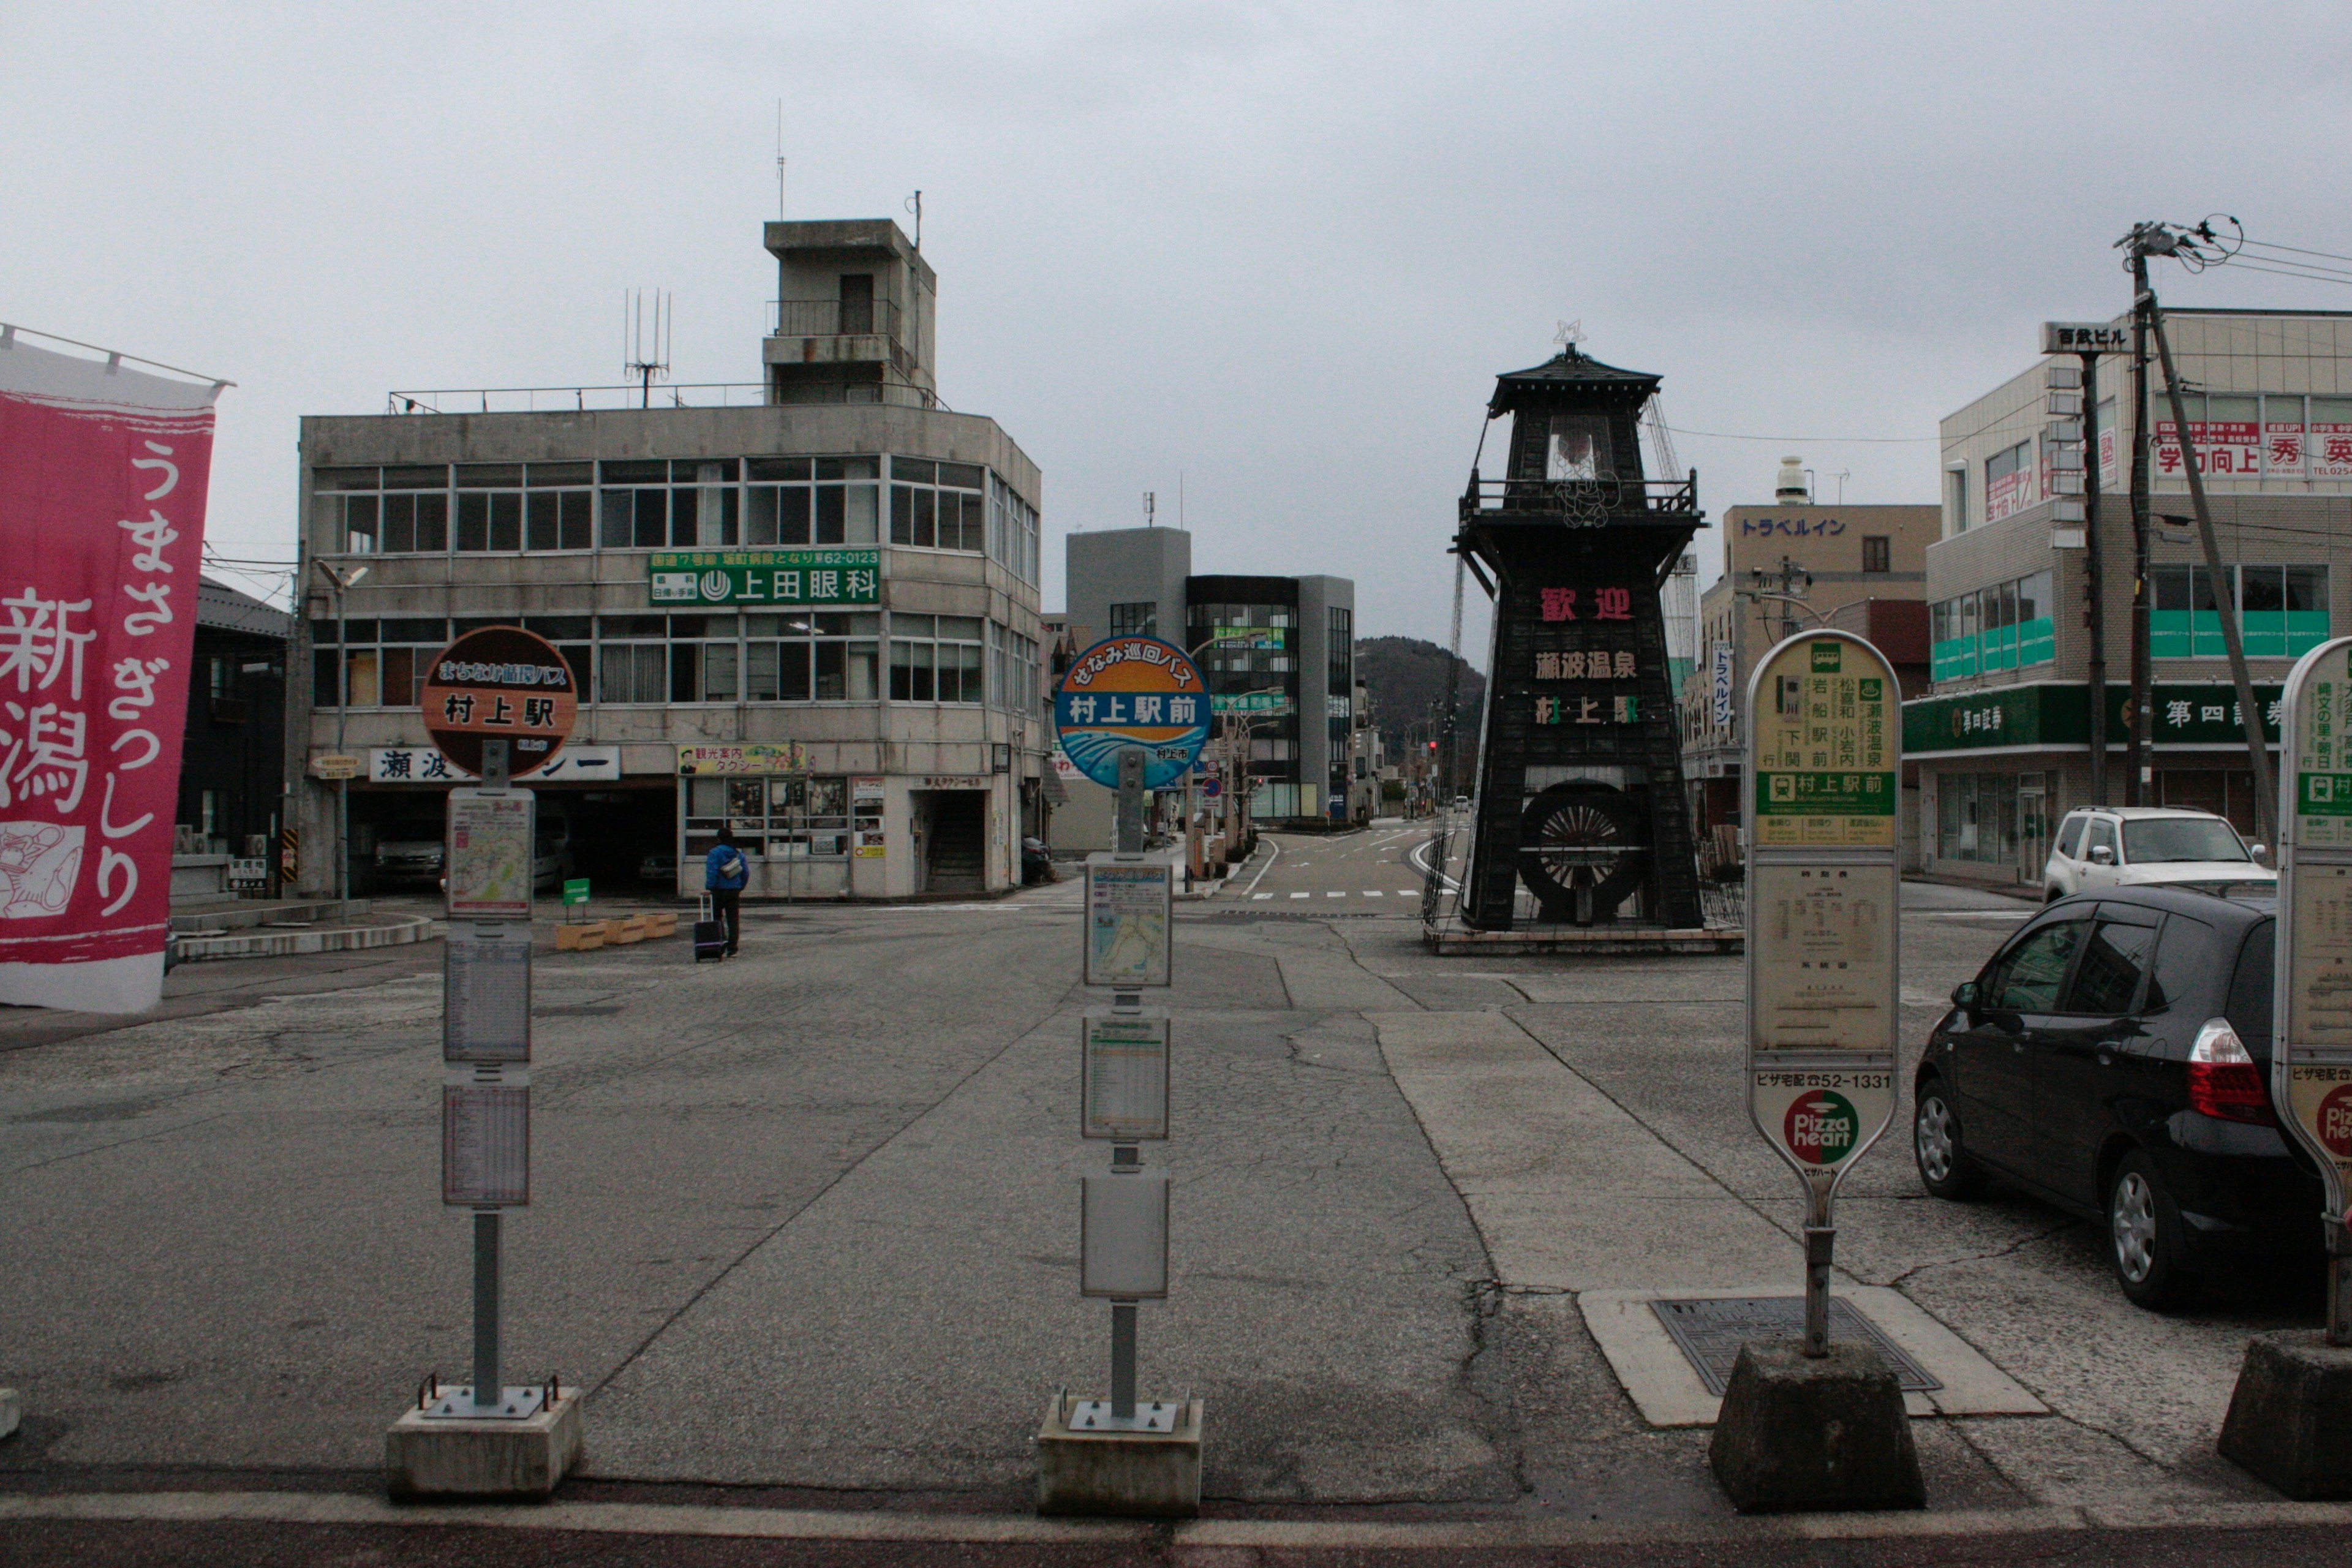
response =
{"points": [[1710, 1330]]}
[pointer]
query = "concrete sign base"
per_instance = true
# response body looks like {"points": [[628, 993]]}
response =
{"points": [[1143, 1475], [11, 1411], [2290, 1420], [1804, 1434], [426, 1456]]}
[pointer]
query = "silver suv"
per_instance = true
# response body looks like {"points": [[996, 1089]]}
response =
{"points": [[2140, 845]]}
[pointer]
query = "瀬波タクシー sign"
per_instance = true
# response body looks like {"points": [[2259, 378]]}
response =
{"points": [[1827, 725], [792, 577]]}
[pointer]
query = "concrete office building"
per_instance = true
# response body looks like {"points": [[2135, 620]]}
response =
{"points": [[1278, 654], [804, 609], [1827, 560], [2003, 740]]}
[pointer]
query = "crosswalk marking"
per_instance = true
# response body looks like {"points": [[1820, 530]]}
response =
{"points": [[1261, 895], [1334, 895], [1374, 893], [1407, 893], [1298, 895]]}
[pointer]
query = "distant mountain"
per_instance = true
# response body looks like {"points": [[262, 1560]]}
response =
{"points": [[1405, 679]]}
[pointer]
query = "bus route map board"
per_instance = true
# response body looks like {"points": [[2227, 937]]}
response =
{"points": [[1824, 727]]}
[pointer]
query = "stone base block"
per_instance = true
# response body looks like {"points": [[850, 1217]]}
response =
{"points": [[462, 1458], [1806, 1434], [660, 925], [621, 933], [12, 1410], [1145, 1475], [2290, 1419], [585, 937]]}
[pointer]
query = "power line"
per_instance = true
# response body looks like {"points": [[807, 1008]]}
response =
{"points": [[1849, 440], [2267, 244]]}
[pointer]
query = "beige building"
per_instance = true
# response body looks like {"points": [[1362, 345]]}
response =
{"points": [[2004, 741], [1788, 567], [804, 610]]}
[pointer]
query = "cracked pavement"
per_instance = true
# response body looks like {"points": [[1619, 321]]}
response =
{"points": [[808, 1221]]}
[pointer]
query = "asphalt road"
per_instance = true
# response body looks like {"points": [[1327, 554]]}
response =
{"points": [[805, 1224]]}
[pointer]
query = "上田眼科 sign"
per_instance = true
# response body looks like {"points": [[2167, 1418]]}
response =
{"points": [[810, 578]]}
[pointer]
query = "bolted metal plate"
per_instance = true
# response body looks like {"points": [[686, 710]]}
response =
{"points": [[1710, 1332], [1150, 1415], [457, 1404]]}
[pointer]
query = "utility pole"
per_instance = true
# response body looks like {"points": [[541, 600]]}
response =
{"points": [[2094, 561], [2139, 770], [2249, 716]]}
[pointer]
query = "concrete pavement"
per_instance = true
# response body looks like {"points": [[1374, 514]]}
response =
{"points": [[806, 1222]]}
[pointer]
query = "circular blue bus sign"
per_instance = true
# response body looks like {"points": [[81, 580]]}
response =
{"points": [[1132, 692]]}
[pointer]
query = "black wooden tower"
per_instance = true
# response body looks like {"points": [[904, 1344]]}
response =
{"points": [[1579, 762]]}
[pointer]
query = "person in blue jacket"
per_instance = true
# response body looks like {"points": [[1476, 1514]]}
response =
{"points": [[724, 872]]}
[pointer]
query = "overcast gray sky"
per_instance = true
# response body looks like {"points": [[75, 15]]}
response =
{"points": [[1277, 249]]}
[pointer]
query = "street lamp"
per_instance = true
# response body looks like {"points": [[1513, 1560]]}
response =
{"points": [[341, 582], [1191, 845]]}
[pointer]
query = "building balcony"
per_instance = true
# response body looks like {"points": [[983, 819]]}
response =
{"points": [[1581, 502], [834, 319]]}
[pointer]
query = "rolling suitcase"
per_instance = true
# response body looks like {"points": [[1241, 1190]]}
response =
{"points": [[709, 933]]}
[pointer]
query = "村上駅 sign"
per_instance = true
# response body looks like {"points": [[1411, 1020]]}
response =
{"points": [[1129, 692], [2311, 1062], [500, 683], [1827, 723], [1823, 976], [789, 578]]}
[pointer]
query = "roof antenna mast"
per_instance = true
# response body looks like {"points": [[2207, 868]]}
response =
{"points": [[780, 160], [914, 206]]}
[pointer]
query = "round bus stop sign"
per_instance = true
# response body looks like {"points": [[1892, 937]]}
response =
{"points": [[500, 683], [1132, 691]]}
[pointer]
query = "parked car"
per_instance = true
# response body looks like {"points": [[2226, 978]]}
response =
{"points": [[1460, 802], [2114, 1058], [551, 863], [2137, 845], [660, 866], [409, 851]]}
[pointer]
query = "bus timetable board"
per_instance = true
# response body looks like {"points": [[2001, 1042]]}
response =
{"points": [[1824, 733], [2311, 1058]]}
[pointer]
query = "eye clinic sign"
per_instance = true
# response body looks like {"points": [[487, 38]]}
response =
{"points": [[814, 578]]}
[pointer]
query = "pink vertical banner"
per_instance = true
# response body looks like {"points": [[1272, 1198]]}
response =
{"points": [[103, 478]]}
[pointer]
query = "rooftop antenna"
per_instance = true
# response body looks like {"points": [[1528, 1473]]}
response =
{"points": [[1150, 506], [915, 204], [780, 160], [640, 366]]}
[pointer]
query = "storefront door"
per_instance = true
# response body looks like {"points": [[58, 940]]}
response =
{"points": [[2032, 830]]}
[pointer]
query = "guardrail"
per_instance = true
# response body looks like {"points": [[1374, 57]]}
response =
{"points": [[832, 318]]}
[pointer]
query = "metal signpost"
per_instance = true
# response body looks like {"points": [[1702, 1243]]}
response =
{"points": [[1824, 727], [1133, 714], [2311, 1061], [491, 696]]}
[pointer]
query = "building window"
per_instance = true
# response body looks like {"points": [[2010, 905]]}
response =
{"points": [[938, 506], [384, 664], [2010, 486], [2282, 609], [2009, 626], [773, 818], [810, 656], [939, 660], [1878, 553], [558, 507], [811, 500], [678, 505], [1140, 619], [1011, 532], [1013, 669], [380, 511]]}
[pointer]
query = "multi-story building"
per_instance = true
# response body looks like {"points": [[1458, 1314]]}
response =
{"points": [[2003, 740], [1278, 654], [804, 610], [1786, 567]]}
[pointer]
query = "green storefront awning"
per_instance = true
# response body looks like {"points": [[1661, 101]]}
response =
{"points": [[2057, 714]]}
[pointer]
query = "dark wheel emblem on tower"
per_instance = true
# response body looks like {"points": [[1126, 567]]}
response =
{"points": [[1583, 849]]}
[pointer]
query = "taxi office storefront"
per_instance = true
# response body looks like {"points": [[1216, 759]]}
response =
{"points": [[1998, 768], [813, 824]]}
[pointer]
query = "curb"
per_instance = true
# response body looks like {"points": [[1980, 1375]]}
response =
{"points": [[1264, 1534], [279, 945]]}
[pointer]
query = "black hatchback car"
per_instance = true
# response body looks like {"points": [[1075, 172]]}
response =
{"points": [[2114, 1058]]}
